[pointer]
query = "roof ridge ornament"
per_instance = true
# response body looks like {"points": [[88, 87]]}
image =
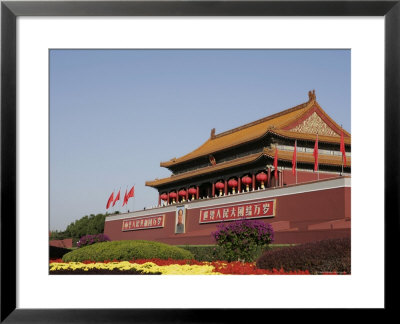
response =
{"points": [[212, 135], [312, 96]]}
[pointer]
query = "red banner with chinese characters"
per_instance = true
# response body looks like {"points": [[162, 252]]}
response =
{"points": [[265, 208], [140, 223]]}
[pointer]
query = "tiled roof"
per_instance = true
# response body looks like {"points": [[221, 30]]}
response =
{"points": [[282, 155], [242, 134], [205, 170], [324, 114], [275, 124]]}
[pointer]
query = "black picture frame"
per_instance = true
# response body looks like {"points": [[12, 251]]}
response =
{"points": [[10, 10]]}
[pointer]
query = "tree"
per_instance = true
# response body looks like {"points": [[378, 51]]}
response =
{"points": [[87, 225]]}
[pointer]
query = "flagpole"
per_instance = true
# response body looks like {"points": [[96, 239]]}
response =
{"points": [[318, 157], [126, 192], [341, 126], [276, 174], [112, 203], [119, 198], [134, 195], [342, 166], [295, 147]]}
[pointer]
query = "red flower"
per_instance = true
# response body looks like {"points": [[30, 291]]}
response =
{"points": [[236, 267]]}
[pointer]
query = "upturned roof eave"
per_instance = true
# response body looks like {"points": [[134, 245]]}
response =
{"points": [[307, 105], [209, 169], [277, 132]]}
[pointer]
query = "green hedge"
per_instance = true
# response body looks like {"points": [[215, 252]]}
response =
{"points": [[215, 253], [127, 250], [205, 252]]}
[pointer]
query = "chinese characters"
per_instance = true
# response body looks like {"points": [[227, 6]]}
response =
{"points": [[143, 223], [227, 213]]}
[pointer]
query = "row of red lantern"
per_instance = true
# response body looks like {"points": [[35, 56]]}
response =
{"points": [[261, 177], [181, 193], [232, 183]]}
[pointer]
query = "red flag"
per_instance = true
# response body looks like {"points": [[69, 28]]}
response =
{"points": [[294, 158], [342, 148], [276, 163], [110, 200], [116, 198], [316, 154], [125, 199], [131, 192]]}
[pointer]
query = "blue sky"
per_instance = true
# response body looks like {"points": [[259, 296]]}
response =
{"points": [[116, 114]]}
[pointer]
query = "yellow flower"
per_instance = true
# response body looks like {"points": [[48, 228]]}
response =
{"points": [[148, 267]]}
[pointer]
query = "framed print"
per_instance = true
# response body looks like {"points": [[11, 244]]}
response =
{"points": [[369, 29]]}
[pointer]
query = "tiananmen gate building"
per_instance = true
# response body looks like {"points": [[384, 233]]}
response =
{"points": [[246, 172]]}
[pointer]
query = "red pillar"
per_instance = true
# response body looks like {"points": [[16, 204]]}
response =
{"points": [[226, 187], [159, 199], [168, 198], [254, 181], [269, 177], [213, 190], [187, 193], [197, 193], [239, 184]]}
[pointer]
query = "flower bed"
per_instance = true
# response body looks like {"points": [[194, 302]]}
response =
{"points": [[100, 272], [159, 266], [142, 267]]}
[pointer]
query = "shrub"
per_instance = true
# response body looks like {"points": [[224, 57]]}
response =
{"points": [[212, 253], [243, 239], [126, 251], [206, 252], [91, 239], [322, 256], [57, 252]]}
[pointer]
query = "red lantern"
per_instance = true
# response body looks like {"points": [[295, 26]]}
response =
{"points": [[220, 186], [247, 181], [164, 196], [173, 196], [182, 193], [233, 184], [192, 191], [262, 177]]}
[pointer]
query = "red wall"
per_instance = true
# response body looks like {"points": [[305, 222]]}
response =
{"points": [[66, 243], [305, 176], [301, 217]]}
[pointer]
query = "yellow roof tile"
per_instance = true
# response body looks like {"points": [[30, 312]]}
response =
{"points": [[243, 133]]}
